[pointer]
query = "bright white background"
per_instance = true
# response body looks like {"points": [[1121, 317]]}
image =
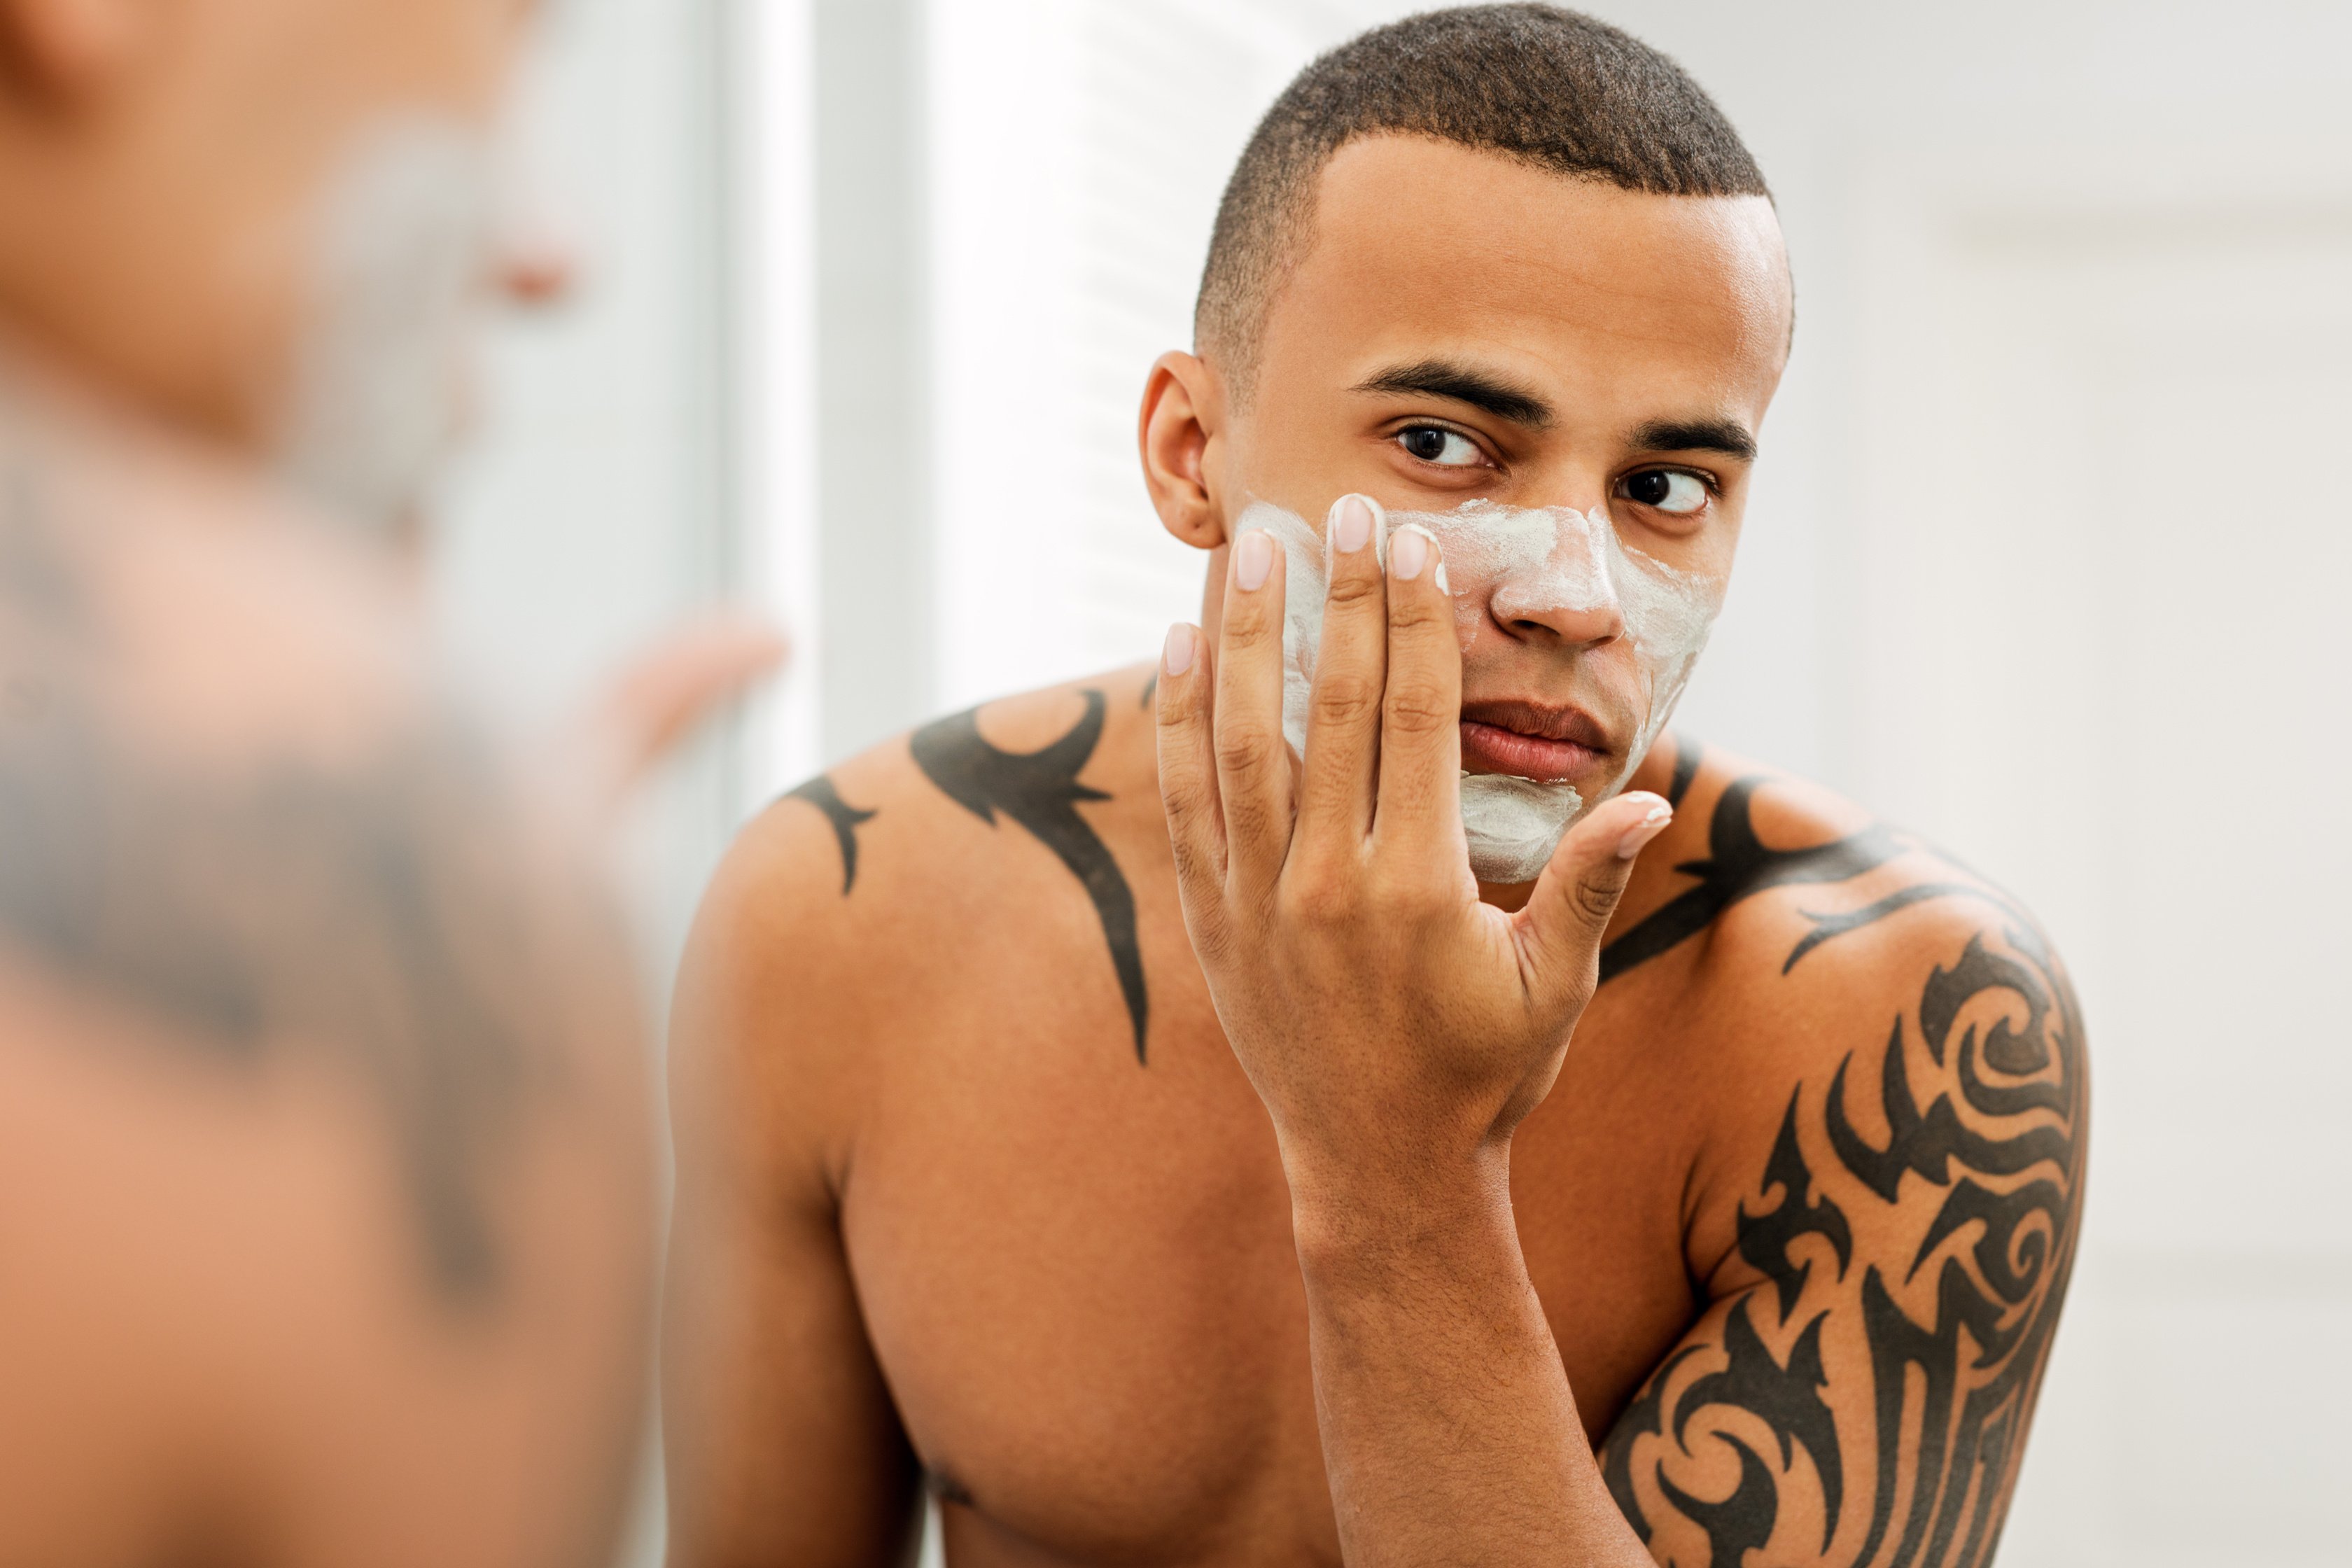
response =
{"points": [[2046, 557]]}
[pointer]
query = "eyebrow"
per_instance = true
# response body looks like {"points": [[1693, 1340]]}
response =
{"points": [[1441, 378], [1722, 435]]}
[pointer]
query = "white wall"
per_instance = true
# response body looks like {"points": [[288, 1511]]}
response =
{"points": [[594, 508]]}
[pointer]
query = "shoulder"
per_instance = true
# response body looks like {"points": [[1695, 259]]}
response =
{"points": [[1773, 898], [1861, 1004], [1884, 1073], [885, 891], [243, 805], [831, 859]]}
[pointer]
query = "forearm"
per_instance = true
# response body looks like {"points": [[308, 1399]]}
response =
{"points": [[1449, 1430]]}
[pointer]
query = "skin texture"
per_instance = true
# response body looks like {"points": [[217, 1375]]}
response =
{"points": [[1713, 1202], [325, 1187]]}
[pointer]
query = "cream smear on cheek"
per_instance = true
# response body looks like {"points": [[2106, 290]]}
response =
{"points": [[399, 255], [1547, 558]]}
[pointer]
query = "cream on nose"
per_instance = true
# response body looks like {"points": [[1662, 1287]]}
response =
{"points": [[1550, 576]]}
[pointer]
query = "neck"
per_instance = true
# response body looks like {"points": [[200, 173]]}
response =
{"points": [[78, 432]]}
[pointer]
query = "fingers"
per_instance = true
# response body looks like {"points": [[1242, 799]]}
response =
{"points": [[665, 692], [1343, 722], [1188, 770], [1253, 761], [1562, 925], [1421, 714]]}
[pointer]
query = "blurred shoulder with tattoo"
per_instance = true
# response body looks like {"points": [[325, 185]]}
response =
{"points": [[318, 1050]]}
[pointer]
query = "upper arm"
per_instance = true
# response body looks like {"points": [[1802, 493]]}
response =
{"points": [[1859, 1391], [783, 1444]]}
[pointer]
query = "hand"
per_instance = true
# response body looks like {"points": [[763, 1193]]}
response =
{"points": [[661, 696], [1397, 1028]]}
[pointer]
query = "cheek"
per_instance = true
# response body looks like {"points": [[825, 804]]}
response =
{"points": [[1472, 591]]}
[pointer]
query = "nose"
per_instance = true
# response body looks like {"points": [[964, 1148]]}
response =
{"points": [[534, 258], [534, 268], [1568, 597]]}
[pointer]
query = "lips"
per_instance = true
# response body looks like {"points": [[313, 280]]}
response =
{"points": [[1529, 741]]}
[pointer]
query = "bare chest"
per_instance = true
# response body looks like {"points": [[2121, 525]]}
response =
{"points": [[1078, 1273]]}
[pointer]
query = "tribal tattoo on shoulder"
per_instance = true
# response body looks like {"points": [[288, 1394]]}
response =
{"points": [[1040, 791], [846, 820], [265, 901], [1739, 865], [1863, 1406]]}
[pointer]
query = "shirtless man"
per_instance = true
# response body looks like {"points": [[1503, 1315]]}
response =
{"points": [[1169, 1152], [325, 1182]]}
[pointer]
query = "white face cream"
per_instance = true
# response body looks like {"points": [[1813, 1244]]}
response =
{"points": [[1511, 562], [399, 260]]}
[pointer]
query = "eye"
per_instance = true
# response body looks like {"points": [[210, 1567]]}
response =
{"points": [[1435, 443], [1669, 490]]}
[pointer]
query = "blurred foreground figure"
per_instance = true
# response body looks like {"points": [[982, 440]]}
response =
{"points": [[324, 1183]]}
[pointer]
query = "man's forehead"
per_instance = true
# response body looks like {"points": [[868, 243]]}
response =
{"points": [[1418, 242]]}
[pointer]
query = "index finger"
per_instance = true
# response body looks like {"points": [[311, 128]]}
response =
{"points": [[1420, 713]]}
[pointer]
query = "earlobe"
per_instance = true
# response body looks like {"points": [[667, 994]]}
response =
{"points": [[61, 49], [1180, 421]]}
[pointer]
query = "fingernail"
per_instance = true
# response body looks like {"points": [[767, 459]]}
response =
{"points": [[1352, 525], [1637, 837], [1253, 560], [1177, 656], [1410, 548]]}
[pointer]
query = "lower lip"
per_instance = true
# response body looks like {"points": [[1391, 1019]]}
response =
{"points": [[1488, 749]]}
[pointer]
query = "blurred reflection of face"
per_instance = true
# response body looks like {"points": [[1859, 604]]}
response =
{"points": [[270, 221], [1562, 381]]}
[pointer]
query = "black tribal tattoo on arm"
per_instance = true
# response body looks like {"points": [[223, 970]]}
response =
{"points": [[1866, 1406], [1040, 790]]}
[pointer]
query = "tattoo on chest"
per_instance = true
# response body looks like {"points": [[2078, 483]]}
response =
{"points": [[265, 901], [1040, 791], [1923, 1369], [845, 818]]}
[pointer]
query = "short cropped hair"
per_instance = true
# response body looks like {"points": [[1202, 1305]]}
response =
{"points": [[1548, 86]]}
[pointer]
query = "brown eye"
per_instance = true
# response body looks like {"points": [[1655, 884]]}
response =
{"points": [[1665, 489], [1435, 443]]}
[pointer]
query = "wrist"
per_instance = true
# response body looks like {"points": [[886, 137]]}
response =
{"points": [[1356, 1211]]}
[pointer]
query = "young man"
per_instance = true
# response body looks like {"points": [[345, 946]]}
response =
{"points": [[324, 1189], [1172, 1147]]}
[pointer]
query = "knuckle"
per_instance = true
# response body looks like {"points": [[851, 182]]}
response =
{"points": [[1245, 754], [1248, 627], [1195, 866], [1418, 612], [1342, 698], [1177, 707], [1182, 796], [1595, 898], [1418, 709], [1319, 894], [1355, 587]]}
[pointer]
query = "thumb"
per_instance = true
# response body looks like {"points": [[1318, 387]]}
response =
{"points": [[1564, 919], [662, 693]]}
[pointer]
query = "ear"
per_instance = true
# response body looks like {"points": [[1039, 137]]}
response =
{"points": [[61, 50], [1182, 417]]}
